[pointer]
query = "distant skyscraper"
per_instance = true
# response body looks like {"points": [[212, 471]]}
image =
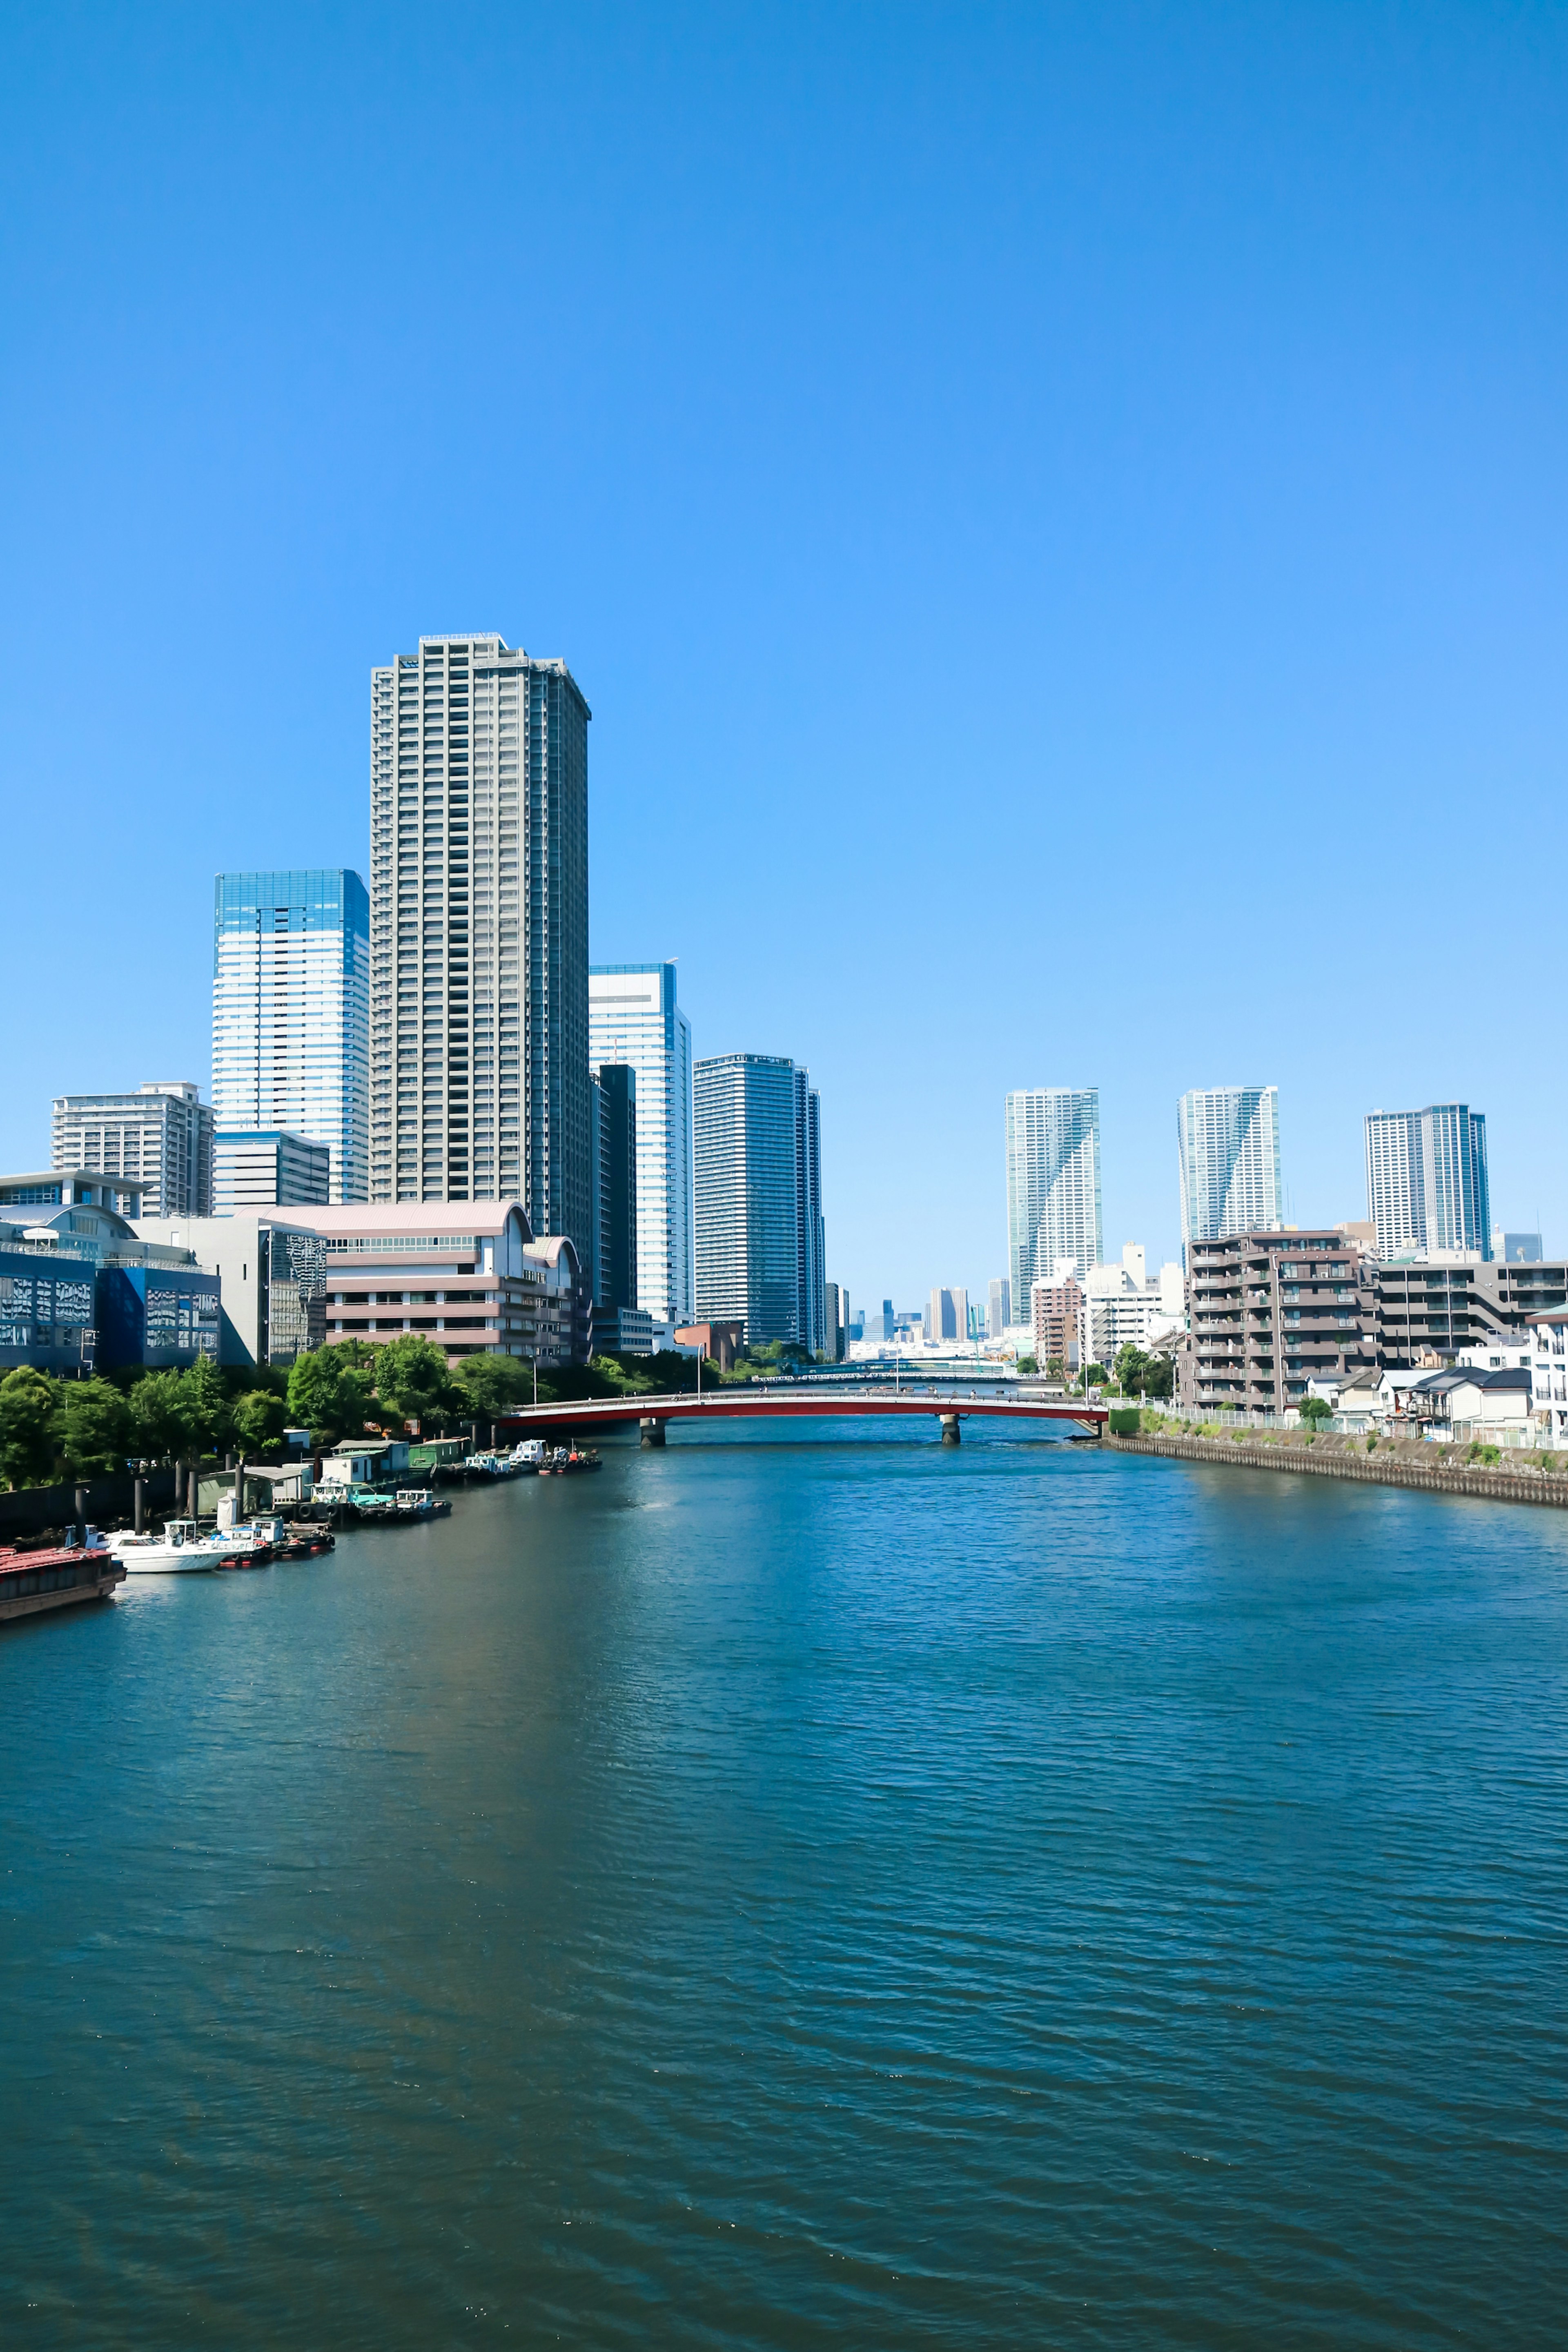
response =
{"points": [[1427, 1179], [633, 1017], [1229, 1145], [160, 1137], [479, 1047], [291, 1014], [613, 1269], [999, 1308], [758, 1228], [1053, 1182]]}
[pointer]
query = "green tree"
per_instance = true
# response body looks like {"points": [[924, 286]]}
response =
{"points": [[1315, 1408], [157, 1426], [28, 1403], [489, 1385], [1132, 1369], [329, 1392], [1160, 1378], [412, 1382], [1029, 1365], [1055, 1368], [203, 1408], [259, 1418], [1096, 1376], [92, 1426]]}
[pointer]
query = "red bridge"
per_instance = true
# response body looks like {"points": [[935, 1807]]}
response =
{"points": [[653, 1412]]}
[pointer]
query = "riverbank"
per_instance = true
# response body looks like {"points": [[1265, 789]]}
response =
{"points": [[1429, 1469]]}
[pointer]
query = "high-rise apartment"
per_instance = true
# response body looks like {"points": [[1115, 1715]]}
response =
{"points": [[479, 948], [756, 1142], [268, 1168], [999, 1307], [613, 1096], [1229, 1148], [160, 1138], [634, 1018], [1053, 1184], [1427, 1179], [291, 1014]]}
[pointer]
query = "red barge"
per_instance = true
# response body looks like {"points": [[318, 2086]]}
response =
{"points": [[54, 1579]]}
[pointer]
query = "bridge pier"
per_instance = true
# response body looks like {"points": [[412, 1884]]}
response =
{"points": [[652, 1431], [949, 1428]]}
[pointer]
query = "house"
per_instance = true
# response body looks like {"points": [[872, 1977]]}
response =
{"points": [[364, 1461]]}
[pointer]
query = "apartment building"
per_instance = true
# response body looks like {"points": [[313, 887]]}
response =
{"points": [[1056, 1312], [1269, 1311], [159, 1139]]}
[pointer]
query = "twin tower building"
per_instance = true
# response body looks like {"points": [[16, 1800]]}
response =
{"points": [[442, 1037]]}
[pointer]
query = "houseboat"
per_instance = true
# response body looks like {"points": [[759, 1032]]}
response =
{"points": [[53, 1577]]}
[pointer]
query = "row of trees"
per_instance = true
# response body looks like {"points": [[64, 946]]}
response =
{"points": [[51, 1428]]}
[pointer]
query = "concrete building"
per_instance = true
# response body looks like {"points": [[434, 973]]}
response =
{"points": [[1517, 1249], [634, 1018], [999, 1307], [1053, 1182], [719, 1342], [947, 1317], [160, 1139], [1548, 1336], [1427, 1179], [470, 1277], [1056, 1316], [611, 1273], [835, 1338], [1125, 1308], [1228, 1152], [269, 1168], [291, 1012], [758, 1198], [478, 891], [1269, 1312]]}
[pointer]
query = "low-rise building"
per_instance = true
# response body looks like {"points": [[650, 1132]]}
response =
{"points": [[1058, 1322], [1549, 1374], [1125, 1308], [80, 1292], [272, 1269], [720, 1342]]}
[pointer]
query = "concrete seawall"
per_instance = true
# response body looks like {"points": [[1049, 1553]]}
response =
{"points": [[1383, 1468]]}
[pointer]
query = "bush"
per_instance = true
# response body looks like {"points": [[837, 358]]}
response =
{"points": [[28, 1402], [1372, 1446], [1316, 1409]]}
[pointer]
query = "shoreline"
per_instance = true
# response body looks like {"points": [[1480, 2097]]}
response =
{"points": [[1387, 1467]]}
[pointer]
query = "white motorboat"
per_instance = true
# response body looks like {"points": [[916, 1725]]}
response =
{"points": [[184, 1549], [529, 1452]]}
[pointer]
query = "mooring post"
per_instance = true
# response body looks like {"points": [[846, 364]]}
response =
{"points": [[949, 1428], [193, 1492], [652, 1431], [140, 1522]]}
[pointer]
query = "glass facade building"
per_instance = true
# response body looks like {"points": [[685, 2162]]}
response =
{"points": [[290, 1013], [634, 1018], [1426, 1186], [1053, 1184], [756, 1137], [479, 886], [1228, 1152]]}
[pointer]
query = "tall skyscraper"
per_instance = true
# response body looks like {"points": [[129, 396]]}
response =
{"points": [[291, 1014], [1229, 1145], [999, 1307], [160, 1137], [478, 943], [1427, 1179], [633, 1017], [756, 1137], [612, 1094], [1053, 1182]]}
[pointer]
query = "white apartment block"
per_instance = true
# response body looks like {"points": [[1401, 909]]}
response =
{"points": [[291, 1014], [480, 932], [1426, 1184], [160, 1138], [1228, 1148], [1125, 1308], [634, 1017], [1053, 1184]]}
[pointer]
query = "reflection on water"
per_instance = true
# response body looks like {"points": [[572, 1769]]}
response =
{"points": [[804, 1891]]}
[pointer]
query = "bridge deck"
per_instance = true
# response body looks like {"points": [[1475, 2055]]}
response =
{"points": [[748, 1403]]}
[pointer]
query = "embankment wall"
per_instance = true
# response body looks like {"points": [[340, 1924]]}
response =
{"points": [[1387, 1467]]}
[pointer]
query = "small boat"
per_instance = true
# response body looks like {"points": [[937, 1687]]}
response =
{"points": [[186, 1548], [369, 1503], [418, 1503], [53, 1576], [490, 1465], [564, 1461], [529, 1454], [299, 1542]]}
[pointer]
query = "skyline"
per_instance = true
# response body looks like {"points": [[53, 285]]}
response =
{"points": [[1143, 441]]}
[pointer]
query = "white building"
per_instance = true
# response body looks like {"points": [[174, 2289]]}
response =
{"points": [[1228, 1148], [1426, 1184], [1548, 1335], [269, 1168], [292, 1014], [160, 1139], [1053, 1182], [633, 1017], [478, 943], [1125, 1308]]}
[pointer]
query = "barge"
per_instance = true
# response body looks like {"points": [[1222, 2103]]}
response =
{"points": [[55, 1577]]}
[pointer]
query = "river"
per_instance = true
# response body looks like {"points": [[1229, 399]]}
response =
{"points": [[802, 1892]]}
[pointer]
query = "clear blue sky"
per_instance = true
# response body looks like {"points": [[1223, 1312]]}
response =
{"points": [[1059, 512]]}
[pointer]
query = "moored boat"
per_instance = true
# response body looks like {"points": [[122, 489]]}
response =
{"points": [[54, 1576], [184, 1549]]}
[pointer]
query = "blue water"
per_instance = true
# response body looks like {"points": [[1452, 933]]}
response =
{"points": [[796, 1894]]}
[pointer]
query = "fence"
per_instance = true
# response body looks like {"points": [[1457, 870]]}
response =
{"points": [[31, 1509]]}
